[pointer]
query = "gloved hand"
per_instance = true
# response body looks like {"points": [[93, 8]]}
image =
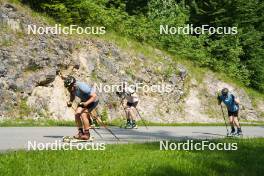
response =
{"points": [[120, 94], [69, 104], [81, 105], [218, 94], [128, 94]]}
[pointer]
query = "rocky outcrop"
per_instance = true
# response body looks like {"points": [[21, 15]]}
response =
{"points": [[29, 77], [50, 101], [104, 64], [27, 61]]}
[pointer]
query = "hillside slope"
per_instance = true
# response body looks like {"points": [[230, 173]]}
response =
{"points": [[32, 88]]}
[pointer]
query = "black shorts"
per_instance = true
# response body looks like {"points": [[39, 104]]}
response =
{"points": [[235, 114], [92, 106], [132, 104]]}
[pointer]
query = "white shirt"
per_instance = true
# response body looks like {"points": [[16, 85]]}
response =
{"points": [[131, 95]]}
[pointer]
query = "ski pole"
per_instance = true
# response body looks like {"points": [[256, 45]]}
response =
{"points": [[141, 118], [123, 109], [97, 133], [102, 123], [224, 118]]}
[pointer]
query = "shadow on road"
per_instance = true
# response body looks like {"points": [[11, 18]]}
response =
{"points": [[53, 136], [209, 134]]}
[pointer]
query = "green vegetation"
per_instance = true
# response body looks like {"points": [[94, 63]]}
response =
{"points": [[4, 42], [239, 56], [138, 159], [121, 123], [24, 109], [117, 122], [104, 115], [34, 123], [130, 44]]}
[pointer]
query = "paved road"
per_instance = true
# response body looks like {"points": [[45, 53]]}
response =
{"points": [[13, 138]]}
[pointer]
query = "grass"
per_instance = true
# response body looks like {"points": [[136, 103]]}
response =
{"points": [[117, 122], [33, 123], [139, 159], [121, 123]]}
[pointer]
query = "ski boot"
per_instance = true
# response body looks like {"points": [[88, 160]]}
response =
{"points": [[239, 132], [134, 125], [86, 135], [128, 124], [232, 133], [80, 133]]}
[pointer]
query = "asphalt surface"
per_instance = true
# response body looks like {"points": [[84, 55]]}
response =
{"points": [[15, 138]]}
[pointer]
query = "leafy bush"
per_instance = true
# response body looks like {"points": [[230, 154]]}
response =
{"points": [[240, 56]]}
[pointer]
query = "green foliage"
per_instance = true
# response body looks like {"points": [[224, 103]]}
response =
{"points": [[104, 114], [24, 109], [243, 53], [240, 56], [5, 42]]}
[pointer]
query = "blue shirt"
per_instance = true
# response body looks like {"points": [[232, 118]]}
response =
{"points": [[83, 91], [230, 103]]}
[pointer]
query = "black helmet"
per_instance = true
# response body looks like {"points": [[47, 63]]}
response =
{"points": [[69, 81], [224, 91]]}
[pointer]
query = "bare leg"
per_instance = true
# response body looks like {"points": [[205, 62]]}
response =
{"points": [[78, 117], [231, 121], [128, 116], [85, 119], [128, 113], [236, 122], [132, 113], [78, 122]]}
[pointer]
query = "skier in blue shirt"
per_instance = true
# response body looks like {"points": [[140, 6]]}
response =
{"points": [[89, 101], [232, 104]]}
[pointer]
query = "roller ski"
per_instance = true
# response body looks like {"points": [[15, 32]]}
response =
{"points": [[236, 135], [82, 136], [230, 135], [71, 139], [233, 133]]}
